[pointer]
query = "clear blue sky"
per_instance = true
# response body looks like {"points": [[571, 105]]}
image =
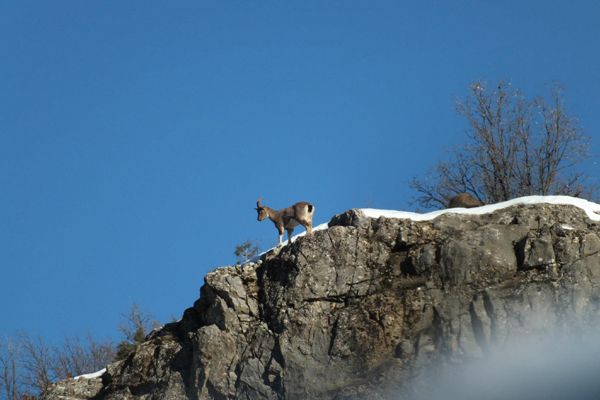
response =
{"points": [[136, 136]]}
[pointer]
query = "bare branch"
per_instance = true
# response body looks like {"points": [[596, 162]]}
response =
{"points": [[9, 375], [516, 147], [37, 363]]}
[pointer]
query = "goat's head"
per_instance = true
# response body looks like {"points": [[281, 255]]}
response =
{"points": [[262, 211]]}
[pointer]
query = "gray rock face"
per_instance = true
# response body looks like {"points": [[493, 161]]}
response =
{"points": [[370, 306], [75, 389]]}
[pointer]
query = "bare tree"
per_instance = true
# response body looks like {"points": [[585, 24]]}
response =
{"points": [[36, 362], [516, 147], [76, 358], [29, 365], [9, 373]]}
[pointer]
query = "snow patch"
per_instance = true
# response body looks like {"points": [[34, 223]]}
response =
{"points": [[591, 209], [93, 375]]}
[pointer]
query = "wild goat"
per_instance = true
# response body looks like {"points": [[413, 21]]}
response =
{"points": [[300, 213], [464, 200]]}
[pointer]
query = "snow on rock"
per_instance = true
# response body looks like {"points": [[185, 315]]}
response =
{"points": [[93, 375], [591, 209]]}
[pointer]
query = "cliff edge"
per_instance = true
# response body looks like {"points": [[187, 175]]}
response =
{"points": [[369, 307]]}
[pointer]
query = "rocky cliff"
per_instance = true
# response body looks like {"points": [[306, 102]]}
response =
{"points": [[368, 308]]}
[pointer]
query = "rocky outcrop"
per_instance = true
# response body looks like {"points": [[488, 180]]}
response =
{"points": [[75, 389], [370, 306]]}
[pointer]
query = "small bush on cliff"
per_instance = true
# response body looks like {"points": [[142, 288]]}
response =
{"points": [[135, 329], [245, 251], [516, 147]]}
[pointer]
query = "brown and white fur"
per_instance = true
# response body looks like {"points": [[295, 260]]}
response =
{"points": [[464, 200], [300, 213]]}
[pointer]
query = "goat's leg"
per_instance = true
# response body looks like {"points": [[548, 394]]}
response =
{"points": [[289, 232], [307, 225], [280, 229]]}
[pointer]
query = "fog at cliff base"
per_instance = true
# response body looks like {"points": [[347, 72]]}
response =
{"points": [[556, 366]]}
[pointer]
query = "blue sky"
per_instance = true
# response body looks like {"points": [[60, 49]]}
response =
{"points": [[136, 136]]}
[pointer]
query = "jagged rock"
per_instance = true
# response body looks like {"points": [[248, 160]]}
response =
{"points": [[368, 306], [74, 389]]}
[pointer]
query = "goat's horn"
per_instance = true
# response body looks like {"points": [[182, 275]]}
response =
{"points": [[258, 202]]}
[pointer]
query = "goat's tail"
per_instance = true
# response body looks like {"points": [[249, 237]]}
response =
{"points": [[311, 208]]}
